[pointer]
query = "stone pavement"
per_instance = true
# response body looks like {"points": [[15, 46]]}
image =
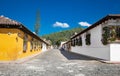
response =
{"points": [[60, 63]]}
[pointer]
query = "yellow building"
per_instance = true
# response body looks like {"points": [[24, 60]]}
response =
{"points": [[17, 42]]}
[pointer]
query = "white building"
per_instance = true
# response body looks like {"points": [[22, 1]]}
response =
{"points": [[101, 40], [46, 46]]}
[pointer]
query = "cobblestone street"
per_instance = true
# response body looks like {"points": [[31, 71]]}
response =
{"points": [[60, 63]]}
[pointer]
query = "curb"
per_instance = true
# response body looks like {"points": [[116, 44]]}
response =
{"points": [[19, 61], [110, 62], [22, 60]]}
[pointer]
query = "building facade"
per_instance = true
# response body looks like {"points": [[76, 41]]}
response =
{"points": [[17, 42], [101, 40]]}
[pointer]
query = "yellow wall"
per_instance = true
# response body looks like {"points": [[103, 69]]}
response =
{"points": [[11, 45]]}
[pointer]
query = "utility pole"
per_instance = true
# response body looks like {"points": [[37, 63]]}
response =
{"points": [[37, 24]]}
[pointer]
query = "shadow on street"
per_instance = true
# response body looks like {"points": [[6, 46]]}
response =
{"points": [[75, 56]]}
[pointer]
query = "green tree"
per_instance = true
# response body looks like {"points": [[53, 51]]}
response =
{"points": [[57, 37], [37, 24]]}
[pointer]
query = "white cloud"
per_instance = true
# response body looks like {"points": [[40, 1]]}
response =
{"points": [[62, 25], [84, 24]]}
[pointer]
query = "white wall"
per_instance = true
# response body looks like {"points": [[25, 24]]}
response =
{"points": [[115, 52], [65, 47], [44, 47], [61, 44], [96, 49]]}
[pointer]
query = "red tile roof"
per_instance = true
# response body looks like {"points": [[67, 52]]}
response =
{"points": [[113, 16], [7, 21]]}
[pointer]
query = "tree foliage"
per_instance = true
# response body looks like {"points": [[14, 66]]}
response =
{"points": [[57, 37], [37, 24]]}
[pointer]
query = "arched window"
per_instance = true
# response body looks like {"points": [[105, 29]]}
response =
{"points": [[76, 41], [73, 42], [80, 41], [118, 32], [110, 34], [25, 40], [88, 39], [105, 35], [31, 45]]}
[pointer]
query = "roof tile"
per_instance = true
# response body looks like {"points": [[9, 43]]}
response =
{"points": [[7, 21]]}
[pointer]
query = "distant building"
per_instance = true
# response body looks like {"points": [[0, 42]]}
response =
{"points": [[17, 42], [62, 44], [101, 40]]}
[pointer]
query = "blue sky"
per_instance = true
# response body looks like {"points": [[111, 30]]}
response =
{"points": [[58, 15]]}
